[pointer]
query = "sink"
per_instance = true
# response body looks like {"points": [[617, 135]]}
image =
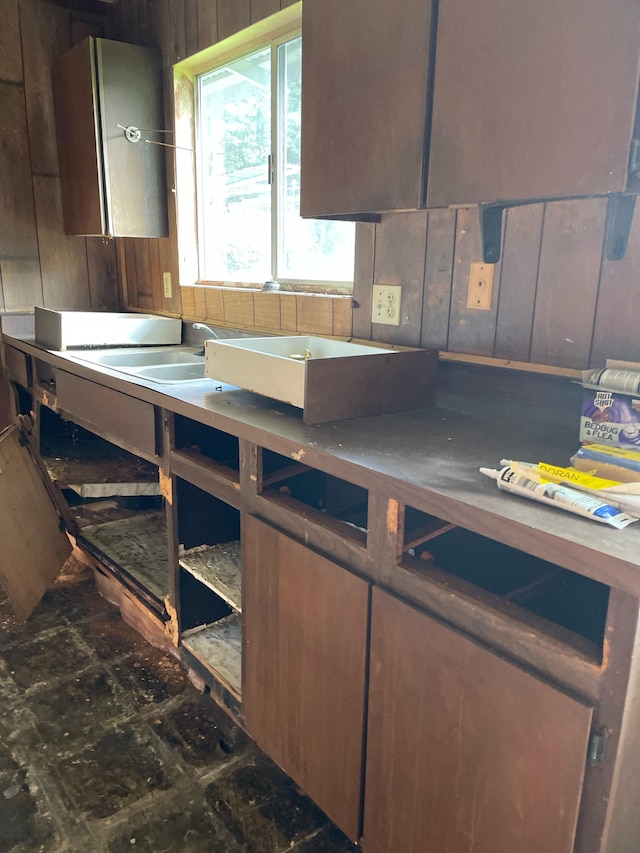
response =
{"points": [[155, 364]]}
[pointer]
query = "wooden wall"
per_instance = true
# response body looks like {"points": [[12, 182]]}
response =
{"points": [[39, 265], [556, 300]]}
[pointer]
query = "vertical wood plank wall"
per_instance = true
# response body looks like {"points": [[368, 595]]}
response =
{"points": [[556, 299], [39, 265]]}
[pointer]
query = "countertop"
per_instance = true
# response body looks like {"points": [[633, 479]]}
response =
{"points": [[428, 458]]}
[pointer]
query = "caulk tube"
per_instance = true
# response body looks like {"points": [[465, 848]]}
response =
{"points": [[556, 495]]}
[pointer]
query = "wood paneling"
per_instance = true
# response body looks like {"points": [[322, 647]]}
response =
{"points": [[570, 258], [103, 274], [18, 231], [63, 260], [470, 330], [618, 311], [207, 23], [10, 53], [263, 8], [46, 33], [233, 16], [22, 283], [518, 280], [438, 273], [400, 258], [363, 279]]}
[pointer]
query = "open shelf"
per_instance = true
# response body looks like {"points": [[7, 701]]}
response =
{"points": [[210, 583], [218, 568], [517, 582], [334, 503], [218, 647]]}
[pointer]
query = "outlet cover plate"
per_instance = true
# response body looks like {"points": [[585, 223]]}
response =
{"points": [[386, 303], [480, 286]]}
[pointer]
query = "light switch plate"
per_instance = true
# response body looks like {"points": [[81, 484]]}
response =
{"points": [[386, 304]]}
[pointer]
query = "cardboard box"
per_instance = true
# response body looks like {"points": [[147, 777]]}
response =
{"points": [[611, 405]]}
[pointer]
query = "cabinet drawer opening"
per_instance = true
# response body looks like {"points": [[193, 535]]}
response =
{"points": [[210, 583], [208, 444], [328, 500], [521, 582]]}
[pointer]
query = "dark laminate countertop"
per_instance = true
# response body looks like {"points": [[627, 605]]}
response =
{"points": [[427, 458]]}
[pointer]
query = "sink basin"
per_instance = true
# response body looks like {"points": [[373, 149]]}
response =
{"points": [[155, 364]]}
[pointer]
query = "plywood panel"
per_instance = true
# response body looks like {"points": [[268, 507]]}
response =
{"points": [[470, 330], [10, 52], [342, 318], [215, 308], [572, 241], [207, 23], [238, 307], [18, 230], [466, 752], [315, 315], [518, 281], [438, 273], [63, 260], [103, 274], [33, 546], [266, 308], [400, 259], [363, 279], [46, 33], [618, 311], [21, 283], [233, 16]]}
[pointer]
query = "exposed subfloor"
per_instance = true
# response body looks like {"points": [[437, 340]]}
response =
{"points": [[106, 746]]}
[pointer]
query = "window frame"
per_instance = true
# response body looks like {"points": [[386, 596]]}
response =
{"points": [[272, 32]]}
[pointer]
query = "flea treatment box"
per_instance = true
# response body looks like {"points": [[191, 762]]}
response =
{"points": [[611, 405]]}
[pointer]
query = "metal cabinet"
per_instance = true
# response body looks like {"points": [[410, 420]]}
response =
{"points": [[109, 110]]}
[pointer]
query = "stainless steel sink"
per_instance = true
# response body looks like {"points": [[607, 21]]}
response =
{"points": [[155, 364]]}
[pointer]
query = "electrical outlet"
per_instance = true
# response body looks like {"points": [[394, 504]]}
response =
{"points": [[166, 284], [480, 286], [386, 304]]}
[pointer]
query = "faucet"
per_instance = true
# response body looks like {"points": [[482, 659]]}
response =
{"points": [[207, 329]]}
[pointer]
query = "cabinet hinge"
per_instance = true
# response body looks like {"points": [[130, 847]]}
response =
{"points": [[597, 747], [634, 157]]}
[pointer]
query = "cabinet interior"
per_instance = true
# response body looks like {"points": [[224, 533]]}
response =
{"points": [[328, 500], [518, 581], [115, 499], [210, 583], [207, 444]]}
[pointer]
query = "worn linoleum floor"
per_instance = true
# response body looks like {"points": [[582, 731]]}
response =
{"points": [[106, 747]]}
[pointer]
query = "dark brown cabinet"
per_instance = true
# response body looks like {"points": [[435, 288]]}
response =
{"points": [[494, 102], [113, 182], [466, 752], [304, 651]]}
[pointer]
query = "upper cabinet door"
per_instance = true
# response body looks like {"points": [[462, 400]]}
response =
{"points": [[532, 100], [111, 184], [365, 82]]}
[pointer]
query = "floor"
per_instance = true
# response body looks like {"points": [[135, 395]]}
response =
{"points": [[106, 746]]}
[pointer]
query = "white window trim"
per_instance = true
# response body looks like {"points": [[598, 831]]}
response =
{"points": [[277, 29]]}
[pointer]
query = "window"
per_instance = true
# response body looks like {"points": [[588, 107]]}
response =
{"points": [[248, 144]]}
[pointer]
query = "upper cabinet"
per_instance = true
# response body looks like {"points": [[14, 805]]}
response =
{"points": [[484, 102], [365, 83], [109, 109]]}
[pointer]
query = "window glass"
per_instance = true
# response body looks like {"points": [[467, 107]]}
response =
{"points": [[249, 184]]}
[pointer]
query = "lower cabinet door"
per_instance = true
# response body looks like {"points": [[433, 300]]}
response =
{"points": [[304, 653], [465, 751]]}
